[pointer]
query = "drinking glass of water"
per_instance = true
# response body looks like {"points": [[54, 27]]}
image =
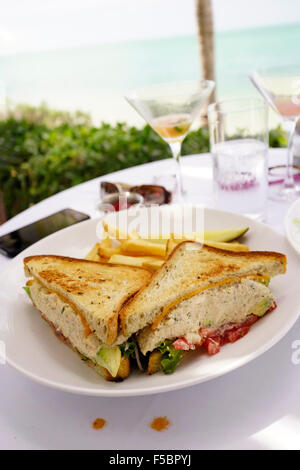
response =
{"points": [[239, 146]]}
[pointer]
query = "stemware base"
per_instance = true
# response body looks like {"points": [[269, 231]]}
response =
{"points": [[284, 193]]}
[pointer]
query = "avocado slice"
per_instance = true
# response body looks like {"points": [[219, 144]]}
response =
{"points": [[27, 290], [226, 235], [110, 359], [265, 282], [263, 306]]}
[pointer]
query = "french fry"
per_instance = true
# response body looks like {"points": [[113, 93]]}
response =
{"points": [[93, 253], [221, 245], [157, 238], [192, 236], [105, 232], [136, 261], [153, 264], [102, 260], [143, 248], [164, 237], [171, 243], [134, 235], [126, 260], [118, 234], [106, 249], [114, 232], [159, 241], [227, 246]]}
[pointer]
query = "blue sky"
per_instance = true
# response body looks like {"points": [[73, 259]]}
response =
{"points": [[29, 25]]}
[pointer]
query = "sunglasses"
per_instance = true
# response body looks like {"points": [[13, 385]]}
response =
{"points": [[152, 193]]}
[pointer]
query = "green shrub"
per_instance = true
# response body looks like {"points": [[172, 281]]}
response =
{"points": [[277, 137], [44, 151]]}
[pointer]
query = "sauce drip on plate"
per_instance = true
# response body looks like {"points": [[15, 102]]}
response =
{"points": [[160, 424], [99, 423]]}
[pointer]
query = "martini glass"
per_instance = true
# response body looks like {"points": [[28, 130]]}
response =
{"points": [[280, 87], [170, 109]]}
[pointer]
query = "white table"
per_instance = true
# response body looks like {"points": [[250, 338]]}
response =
{"points": [[254, 407]]}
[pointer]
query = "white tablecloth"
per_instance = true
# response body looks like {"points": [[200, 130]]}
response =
{"points": [[254, 407]]}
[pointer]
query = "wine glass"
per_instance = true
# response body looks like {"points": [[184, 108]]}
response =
{"points": [[280, 87], [170, 109]]}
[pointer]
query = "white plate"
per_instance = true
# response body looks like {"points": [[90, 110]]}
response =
{"points": [[33, 349], [292, 225]]}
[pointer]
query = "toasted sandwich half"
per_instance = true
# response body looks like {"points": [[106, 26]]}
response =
{"points": [[81, 300], [201, 296]]}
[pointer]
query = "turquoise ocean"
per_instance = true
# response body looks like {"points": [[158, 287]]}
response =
{"points": [[95, 78]]}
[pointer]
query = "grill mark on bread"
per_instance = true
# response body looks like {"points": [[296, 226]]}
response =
{"points": [[51, 275], [219, 269]]}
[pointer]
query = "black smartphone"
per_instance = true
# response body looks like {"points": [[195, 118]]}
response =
{"points": [[13, 243]]}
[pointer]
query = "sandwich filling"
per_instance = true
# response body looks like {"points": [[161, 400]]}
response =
{"points": [[210, 318], [67, 323]]}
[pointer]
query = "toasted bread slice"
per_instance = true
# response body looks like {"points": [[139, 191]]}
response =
{"points": [[94, 290], [189, 268]]}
